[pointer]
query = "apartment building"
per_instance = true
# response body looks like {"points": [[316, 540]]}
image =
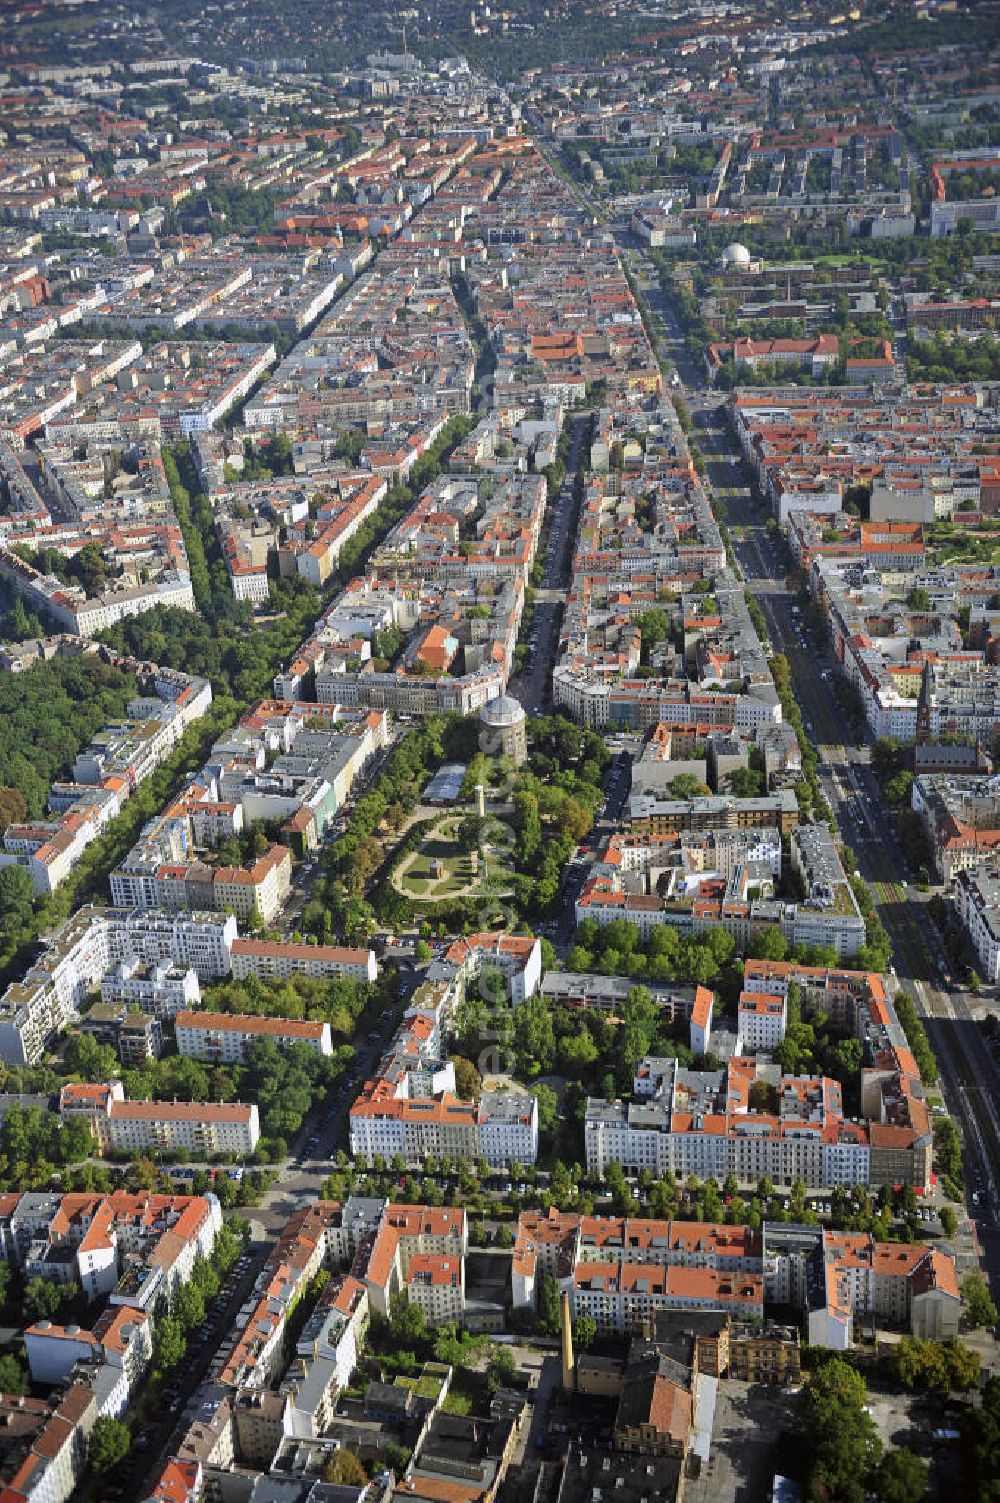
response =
{"points": [[969, 313], [650, 880], [291, 763], [136, 1036], [977, 898], [517, 958], [161, 988], [436, 1285], [376, 1242], [332, 1336], [829, 913], [917, 677], [707, 1123], [845, 1280], [225, 1037], [266, 958], [42, 381], [627, 1272], [132, 1127], [257, 891], [85, 949], [654, 815], [410, 1107], [435, 1239], [761, 1022], [961, 817], [621, 1298], [46, 1449], [131, 1248]]}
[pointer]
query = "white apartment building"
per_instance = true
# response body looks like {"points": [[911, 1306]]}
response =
{"points": [[79, 956], [410, 1107], [232, 1128], [761, 1023], [517, 957], [977, 897], [622, 1297], [159, 988], [264, 958], [202, 941], [436, 1285], [260, 889], [225, 1037], [508, 1128], [121, 1126], [702, 1122]]}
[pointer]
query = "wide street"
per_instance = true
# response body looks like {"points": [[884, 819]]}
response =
{"points": [[970, 1076], [532, 685], [969, 1072]]}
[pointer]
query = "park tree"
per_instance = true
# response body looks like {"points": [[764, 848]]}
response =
{"points": [[406, 1323], [345, 1469], [17, 894], [12, 1376], [501, 1368], [528, 824], [548, 1107], [900, 1477], [169, 1344], [584, 1332], [978, 1308], [573, 820], [467, 1081], [13, 807], [838, 1434], [368, 857], [109, 1444]]}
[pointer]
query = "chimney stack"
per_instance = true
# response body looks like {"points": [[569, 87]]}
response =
{"points": [[568, 1358]]}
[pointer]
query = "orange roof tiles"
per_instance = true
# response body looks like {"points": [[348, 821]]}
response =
{"points": [[177, 1483], [671, 1409], [223, 1022], [182, 1111]]}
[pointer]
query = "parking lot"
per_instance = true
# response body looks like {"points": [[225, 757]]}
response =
{"points": [[751, 1441]]}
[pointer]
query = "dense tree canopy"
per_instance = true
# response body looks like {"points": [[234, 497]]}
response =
{"points": [[109, 1443], [839, 1435], [48, 714]]}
